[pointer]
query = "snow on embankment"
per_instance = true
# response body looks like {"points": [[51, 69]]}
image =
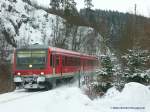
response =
{"points": [[134, 93], [62, 99], [72, 99], [134, 97]]}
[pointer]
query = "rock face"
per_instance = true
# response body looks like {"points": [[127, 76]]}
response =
{"points": [[21, 22]]}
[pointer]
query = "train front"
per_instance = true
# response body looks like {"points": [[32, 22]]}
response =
{"points": [[29, 68]]}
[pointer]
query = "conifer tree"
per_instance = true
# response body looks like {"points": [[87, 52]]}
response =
{"points": [[105, 77], [136, 60], [88, 4]]}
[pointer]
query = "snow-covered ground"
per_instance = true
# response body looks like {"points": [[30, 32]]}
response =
{"points": [[134, 98]]}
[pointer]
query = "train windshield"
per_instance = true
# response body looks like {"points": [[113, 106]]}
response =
{"points": [[33, 59]]}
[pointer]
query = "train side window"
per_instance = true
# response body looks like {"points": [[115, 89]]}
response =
{"points": [[63, 60], [72, 61], [77, 61], [51, 60], [68, 61], [57, 60]]}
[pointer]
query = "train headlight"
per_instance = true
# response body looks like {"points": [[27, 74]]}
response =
{"points": [[42, 73], [18, 73], [30, 66], [17, 79], [41, 79]]}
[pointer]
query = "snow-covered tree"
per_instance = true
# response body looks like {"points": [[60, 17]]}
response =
{"points": [[105, 76], [135, 66], [88, 4]]}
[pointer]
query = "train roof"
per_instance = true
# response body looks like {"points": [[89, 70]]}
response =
{"points": [[57, 50], [69, 52], [34, 46]]}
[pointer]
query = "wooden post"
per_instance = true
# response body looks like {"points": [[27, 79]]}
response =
{"points": [[79, 77]]}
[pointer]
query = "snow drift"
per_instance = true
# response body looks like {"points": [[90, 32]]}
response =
{"points": [[72, 99], [134, 97]]}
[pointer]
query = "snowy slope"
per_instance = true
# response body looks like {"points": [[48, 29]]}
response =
{"points": [[72, 99], [32, 24]]}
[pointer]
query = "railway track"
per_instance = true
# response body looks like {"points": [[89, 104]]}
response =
{"points": [[16, 96], [20, 94]]}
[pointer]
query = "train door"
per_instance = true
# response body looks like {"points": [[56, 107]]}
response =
{"points": [[57, 61], [52, 63]]}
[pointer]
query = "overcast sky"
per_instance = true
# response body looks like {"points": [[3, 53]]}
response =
{"points": [[143, 6]]}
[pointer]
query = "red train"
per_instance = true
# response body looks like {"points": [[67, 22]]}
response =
{"points": [[41, 67]]}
